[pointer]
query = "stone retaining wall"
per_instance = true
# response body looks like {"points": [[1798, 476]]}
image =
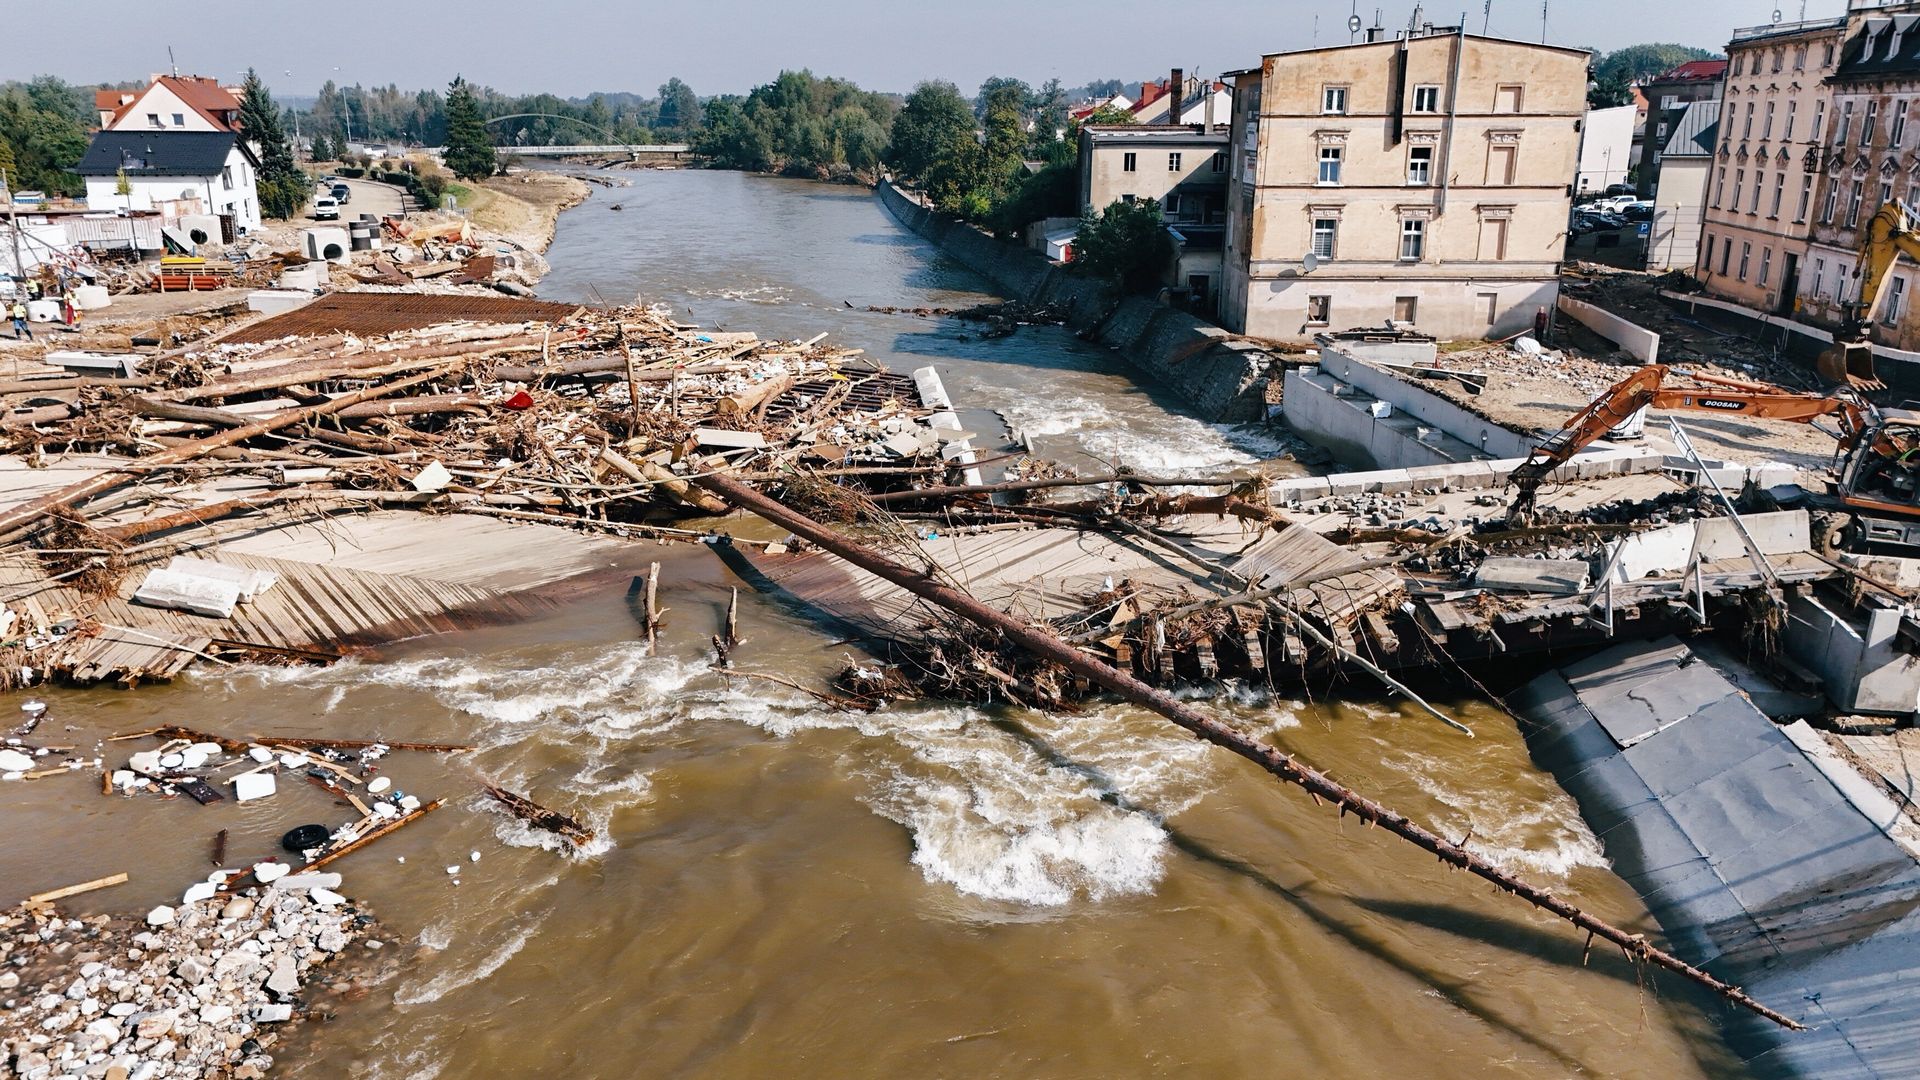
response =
{"points": [[1223, 379]]}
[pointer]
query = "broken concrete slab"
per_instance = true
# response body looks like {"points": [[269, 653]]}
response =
{"points": [[1553, 577]]}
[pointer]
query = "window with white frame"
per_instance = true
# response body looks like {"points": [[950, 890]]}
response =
{"points": [[1173, 161], [1319, 310], [1746, 130], [1845, 125], [1896, 300], [1326, 232], [1793, 108], [1330, 164], [1819, 271], [1719, 188], [1819, 117], [1333, 99], [1766, 264], [1739, 180], [226, 177], [1746, 255], [1413, 239], [1832, 202], [179, 120], [1853, 204], [1766, 126], [1726, 253], [1426, 99], [1759, 182], [1806, 197], [1873, 121], [1420, 166]]}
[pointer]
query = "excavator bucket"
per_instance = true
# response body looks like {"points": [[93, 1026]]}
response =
{"points": [[1849, 363]]}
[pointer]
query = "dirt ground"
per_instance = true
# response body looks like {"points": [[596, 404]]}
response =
{"points": [[1543, 392], [525, 206]]}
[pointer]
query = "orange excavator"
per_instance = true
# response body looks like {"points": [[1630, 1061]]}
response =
{"points": [[1889, 234], [1874, 498]]}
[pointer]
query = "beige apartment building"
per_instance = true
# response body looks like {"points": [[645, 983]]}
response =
{"points": [[1871, 159], [1182, 167], [1763, 192], [1426, 172]]}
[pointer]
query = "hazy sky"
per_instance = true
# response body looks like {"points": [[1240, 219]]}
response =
{"points": [[573, 47]]}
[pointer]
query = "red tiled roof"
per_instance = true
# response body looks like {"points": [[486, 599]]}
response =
{"points": [[201, 94], [1694, 71]]}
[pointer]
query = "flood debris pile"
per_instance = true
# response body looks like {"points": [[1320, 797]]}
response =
{"points": [[191, 990]]}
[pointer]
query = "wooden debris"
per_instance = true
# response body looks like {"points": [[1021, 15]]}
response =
{"points": [[540, 817], [76, 890]]}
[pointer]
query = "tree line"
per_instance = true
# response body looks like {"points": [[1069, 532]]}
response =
{"points": [[422, 117]]}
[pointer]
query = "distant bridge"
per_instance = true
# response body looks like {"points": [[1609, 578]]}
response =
{"points": [[603, 150]]}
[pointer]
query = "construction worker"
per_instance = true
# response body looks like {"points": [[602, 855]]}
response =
{"points": [[20, 321]]}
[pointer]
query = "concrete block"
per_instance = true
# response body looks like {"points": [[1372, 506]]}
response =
{"points": [[1301, 488], [1342, 485], [1554, 577]]}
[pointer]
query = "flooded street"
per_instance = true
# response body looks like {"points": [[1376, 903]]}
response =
{"points": [[932, 890]]}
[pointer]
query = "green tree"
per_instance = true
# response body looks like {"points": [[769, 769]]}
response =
{"points": [[1637, 63], [679, 107], [44, 122], [281, 184], [1002, 89], [1049, 119], [1109, 114], [1609, 89], [1126, 244], [933, 119], [1052, 192], [321, 148], [469, 152]]}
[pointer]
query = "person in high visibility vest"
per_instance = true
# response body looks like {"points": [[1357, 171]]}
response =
{"points": [[20, 321]]}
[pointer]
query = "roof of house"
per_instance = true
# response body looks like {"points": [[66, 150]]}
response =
{"points": [[1695, 132], [159, 153], [1164, 134], [201, 94], [1884, 45], [1693, 71]]}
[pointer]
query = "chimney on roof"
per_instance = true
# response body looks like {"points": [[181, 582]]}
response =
{"points": [[1176, 89]]}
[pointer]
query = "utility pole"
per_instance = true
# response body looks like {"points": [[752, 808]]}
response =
{"points": [[1486, 17], [1543, 22]]}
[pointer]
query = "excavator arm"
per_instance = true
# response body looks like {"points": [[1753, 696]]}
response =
{"points": [[1646, 387], [1888, 234]]}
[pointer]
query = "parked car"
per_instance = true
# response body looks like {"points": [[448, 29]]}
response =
{"points": [[326, 209], [1638, 211], [342, 194], [1620, 189]]}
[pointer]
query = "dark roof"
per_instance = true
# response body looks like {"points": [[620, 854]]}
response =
{"points": [[159, 153], [1884, 45], [1694, 135]]}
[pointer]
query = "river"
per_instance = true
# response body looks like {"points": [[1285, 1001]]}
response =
{"points": [[933, 890]]}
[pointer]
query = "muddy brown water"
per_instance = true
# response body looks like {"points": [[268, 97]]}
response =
{"points": [[933, 890]]}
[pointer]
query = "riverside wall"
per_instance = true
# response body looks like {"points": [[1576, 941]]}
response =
{"points": [[1221, 377]]}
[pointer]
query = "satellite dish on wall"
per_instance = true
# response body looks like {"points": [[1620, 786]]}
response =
{"points": [[1353, 24], [1776, 15], [1310, 263]]}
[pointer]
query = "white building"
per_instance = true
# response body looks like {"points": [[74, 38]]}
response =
{"points": [[1606, 148], [175, 173], [1680, 196], [171, 103]]}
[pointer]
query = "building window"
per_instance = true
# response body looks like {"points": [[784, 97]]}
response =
{"points": [[1706, 254], [1739, 179], [226, 177], [1819, 271], [1793, 107], [1406, 308], [1413, 239], [1329, 165], [1896, 299], [1827, 207], [1726, 254], [153, 120], [1719, 188], [1746, 254], [1746, 130], [1799, 58], [1426, 99], [1740, 64], [1766, 264], [1508, 99], [1779, 193], [1826, 55], [1845, 125], [1660, 133], [1778, 56], [1324, 232], [1806, 197], [1899, 133], [1500, 165], [1886, 193], [1319, 310], [1420, 166], [1128, 161], [1766, 127], [1759, 182], [1853, 204], [1173, 162], [179, 120], [1333, 99], [1819, 117], [1873, 121], [1220, 162]]}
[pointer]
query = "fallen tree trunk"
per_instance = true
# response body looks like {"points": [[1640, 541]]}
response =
{"points": [[1282, 765]]}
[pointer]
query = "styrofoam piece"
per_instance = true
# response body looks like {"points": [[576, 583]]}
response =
{"points": [[432, 478], [260, 754], [267, 873], [198, 891], [85, 362], [183, 591], [91, 297], [251, 582], [275, 301], [250, 786], [43, 311]]}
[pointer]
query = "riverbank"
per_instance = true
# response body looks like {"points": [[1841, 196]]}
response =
{"points": [[525, 206], [1222, 377]]}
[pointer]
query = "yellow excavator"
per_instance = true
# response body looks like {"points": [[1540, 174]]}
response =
{"points": [[1889, 234]]}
